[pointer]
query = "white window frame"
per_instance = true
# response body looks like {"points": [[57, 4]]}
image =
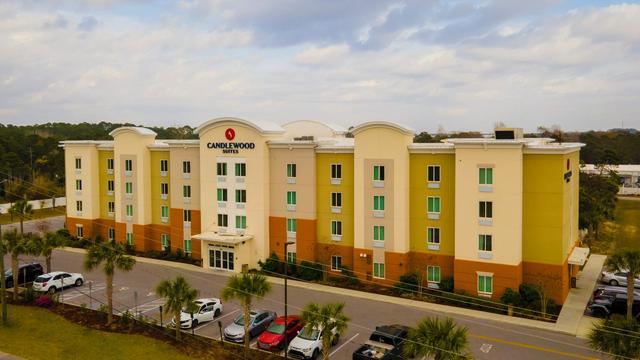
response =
{"points": [[336, 260], [291, 172], [434, 215], [486, 275], [434, 183], [338, 171], [79, 231], [485, 220], [433, 245], [110, 165], [336, 230], [439, 273], [380, 267], [164, 219], [164, 167], [111, 234]]}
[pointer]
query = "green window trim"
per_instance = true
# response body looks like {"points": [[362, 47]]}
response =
{"points": [[485, 176], [433, 204], [378, 233], [291, 170], [485, 284], [291, 198], [164, 211], [130, 239], [222, 194], [129, 210], [336, 227], [291, 225], [378, 202], [433, 235], [378, 172], [378, 270], [186, 191], [79, 185], [187, 246], [291, 257], [241, 169], [128, 187], [241, 196], [164, 239], [241, 222], [433, 274], [485, 242]]}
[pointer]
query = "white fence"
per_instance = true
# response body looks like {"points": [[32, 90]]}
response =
{"points": [[37, 204]]}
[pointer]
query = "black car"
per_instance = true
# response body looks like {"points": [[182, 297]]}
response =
{"points": [[26, 274], [606, 306], [611, 291]]}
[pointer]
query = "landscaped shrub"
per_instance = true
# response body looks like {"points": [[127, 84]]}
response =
{"points": [[408, 283], [309, 271], [272, 265], [511, 297], [349, 277], [43, 301], [446, 284], [29, 295]]}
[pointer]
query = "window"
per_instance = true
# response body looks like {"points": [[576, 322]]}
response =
{"points": [[336, 228], [241, 169], [486, 209], [186, 167], [186, 191], [111, 207], [223, 220], [164, 165], [79, 231], [433, 274], [291, 197], [291, 225], [128, 187], [129, 210], [164, 240], [378, 202], [110, 165], [336, 262], [336, 171], [433, 173], [221, 169], [485, 242], [79, 185], [241, 196], [110, 185], [378, 233], [187, 246], [485, 176], [378, 270], [128, 165], [378, 173], [291, 257], [336, 199], [433, 235], [241, 222], [485, 284], [111, 234], [291, 170], [130, 239], [433, 204], [164, 212], [79, 206], [78, 163], [164, 189], [186, 215], [222, 194]]}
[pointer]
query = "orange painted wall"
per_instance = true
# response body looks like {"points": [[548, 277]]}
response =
{"points": [[140, 240], [277, 235], [363, 267], [101, 227], [87, 226], [305, 238], [396, 265], [121, 233], [418, 262], [504, 276], [325, 251], [554, 279]]}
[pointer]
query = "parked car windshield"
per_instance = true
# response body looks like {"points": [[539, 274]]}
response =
{"points": [[276, 328], [309, 335], [240, 320], [41, 279]]}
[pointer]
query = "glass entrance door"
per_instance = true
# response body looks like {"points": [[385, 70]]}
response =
{"points": [[221, 257]]}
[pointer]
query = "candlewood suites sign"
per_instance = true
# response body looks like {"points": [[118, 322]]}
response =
{"points": [[231, 147]]}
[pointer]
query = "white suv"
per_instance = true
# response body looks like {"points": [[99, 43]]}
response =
{"points": [[308, 344], [206, 310], [57, 280]]}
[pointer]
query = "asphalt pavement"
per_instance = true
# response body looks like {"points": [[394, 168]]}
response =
{"points": [[134, 291]]}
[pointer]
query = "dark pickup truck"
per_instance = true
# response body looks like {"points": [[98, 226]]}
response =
{"points": [[385, 343]]}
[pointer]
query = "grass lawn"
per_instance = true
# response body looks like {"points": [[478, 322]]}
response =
{"points": [[623, 231], [37, 214], [35, 333]]}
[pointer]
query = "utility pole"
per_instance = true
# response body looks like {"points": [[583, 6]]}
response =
{"points": [[286, 275]]}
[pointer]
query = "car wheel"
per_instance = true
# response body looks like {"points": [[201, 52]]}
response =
{"points": [[217, 313], [613, 282], [194, 323], [600, 313], [52, 290], [79, 282], [315, 354]]}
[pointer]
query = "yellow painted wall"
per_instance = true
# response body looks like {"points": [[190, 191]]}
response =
{"points": [[89, 176], [418, 202], [103, 155], [323, 200], [543, 204], [156, 180]]}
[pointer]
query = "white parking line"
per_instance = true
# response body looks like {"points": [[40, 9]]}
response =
{"points": [[150, 306], [215, 320], [345, 343]]}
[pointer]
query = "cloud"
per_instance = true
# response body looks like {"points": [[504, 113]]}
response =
{"points": [[322, 55]]}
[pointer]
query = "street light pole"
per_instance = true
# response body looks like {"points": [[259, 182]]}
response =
{"points": [[286, 275]]}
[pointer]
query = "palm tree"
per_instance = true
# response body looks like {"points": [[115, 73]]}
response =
{"points": [[44, 246], [245, 288], [623, 343], [22, 209], [112, 257], [330, 319], [626, 261], [437, 339], [3, 282], [16, 245], [178, 295]]}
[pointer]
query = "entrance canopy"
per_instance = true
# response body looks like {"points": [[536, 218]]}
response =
{"points": [[578, 256], [222, 239]]}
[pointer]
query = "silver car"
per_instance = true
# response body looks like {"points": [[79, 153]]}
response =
{"points": [[260, 319], [618, 278]]}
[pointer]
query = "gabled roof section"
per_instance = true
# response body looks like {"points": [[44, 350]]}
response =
{"points": [[263, 127], [141, 131], [336, 129], [383, 124]]}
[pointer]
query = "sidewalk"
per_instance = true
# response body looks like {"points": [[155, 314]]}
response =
{"points": [[444, 309], [5, 356], [572, 312]]}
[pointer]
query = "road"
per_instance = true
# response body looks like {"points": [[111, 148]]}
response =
{"points": [[488, 339], [36, 226]]}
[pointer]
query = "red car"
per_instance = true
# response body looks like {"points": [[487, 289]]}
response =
{"points": [[273, 338]]}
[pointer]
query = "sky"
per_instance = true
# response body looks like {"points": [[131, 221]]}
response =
{"points": [[433, 65]]}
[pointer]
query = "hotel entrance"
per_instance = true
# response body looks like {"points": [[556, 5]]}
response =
{"points": [[222, 257]]}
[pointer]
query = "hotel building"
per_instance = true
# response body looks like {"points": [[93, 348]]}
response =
{"points": [[492, 212]]}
